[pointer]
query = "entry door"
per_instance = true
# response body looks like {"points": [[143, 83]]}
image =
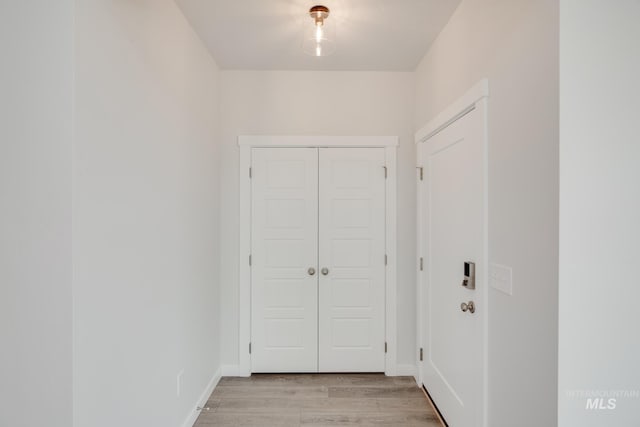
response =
{"points": [[284, 235], [318, 262], [352, 260], [454, 168]]}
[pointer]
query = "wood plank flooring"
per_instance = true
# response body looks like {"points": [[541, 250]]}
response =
{"points": [[315, 400]]}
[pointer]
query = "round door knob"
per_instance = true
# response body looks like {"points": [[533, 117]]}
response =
{"points": [[468, 306], [311, 271], [324, 271]]}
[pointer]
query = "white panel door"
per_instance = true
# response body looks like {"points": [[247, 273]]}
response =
{"points": [[352, 260], [454, 209], [284, 302]]}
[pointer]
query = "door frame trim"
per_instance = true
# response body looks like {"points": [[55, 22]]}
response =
{"points": [[475, 98], [246, 143], [478, 92]]}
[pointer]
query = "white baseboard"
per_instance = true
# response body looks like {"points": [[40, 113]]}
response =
{"points": [[406, 370], [230, 371], [191, 419], [401, 370]]}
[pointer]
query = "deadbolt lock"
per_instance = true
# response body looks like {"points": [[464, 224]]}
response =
{"points": [[469, 280]]}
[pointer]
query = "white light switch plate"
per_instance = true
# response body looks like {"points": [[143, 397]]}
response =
{"points": [[501, 278]]}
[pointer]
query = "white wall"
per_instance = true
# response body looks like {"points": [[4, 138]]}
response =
{"points": [[515, 45], [317, 103], [145, 215], [36, 78], [600, 211]]}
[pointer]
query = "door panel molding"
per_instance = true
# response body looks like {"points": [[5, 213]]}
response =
{"points": [[246, 144]]}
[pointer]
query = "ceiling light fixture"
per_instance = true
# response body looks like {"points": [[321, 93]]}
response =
{"points": [[319, 40]]}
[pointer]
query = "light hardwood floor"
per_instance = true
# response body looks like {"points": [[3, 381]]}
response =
{"points": [[318, 400]]}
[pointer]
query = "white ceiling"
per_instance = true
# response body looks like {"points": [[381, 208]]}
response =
{"points": [[376, 35]]}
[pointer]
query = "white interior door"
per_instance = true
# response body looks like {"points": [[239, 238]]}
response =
{"points": [[454, 224], [352, 260], [284, 313]]}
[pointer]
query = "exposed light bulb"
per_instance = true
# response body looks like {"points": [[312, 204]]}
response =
{"points": [[319, 33]]}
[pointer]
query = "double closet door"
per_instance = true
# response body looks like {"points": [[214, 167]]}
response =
{"points": [[318, 260]]}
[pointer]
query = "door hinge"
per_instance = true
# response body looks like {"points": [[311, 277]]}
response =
{"points": [[421, 354], [249, 259], [250, 173], [421, 264], [250, 349], [385, 346], [421, 169], [386, 259], [385, 172]]}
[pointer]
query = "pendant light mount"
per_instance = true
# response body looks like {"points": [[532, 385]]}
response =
{"points": [[319, 13], [319, 38]]}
